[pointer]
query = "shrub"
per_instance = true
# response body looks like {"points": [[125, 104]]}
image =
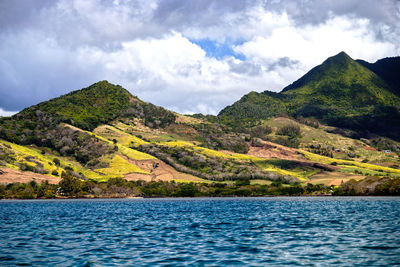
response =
{"points": [[289, 142], [290, 130], [69, 168], [70, 185], [312, 122], [187, 190], [260, 131], [56, 161], [242, 182]]}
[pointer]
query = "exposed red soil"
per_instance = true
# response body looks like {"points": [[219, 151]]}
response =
{"points": [[334, 178], [271, 150], [370, 148], [8, 175], [163, 171]]}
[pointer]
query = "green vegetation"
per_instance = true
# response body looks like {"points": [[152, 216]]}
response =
{"points": [[119, 166], [372, 185], [87, 108], [117, 187], [388, 70], [292, 135], [210, 164], [252, 108], [340, 92], [70, 186], [264, 144]]}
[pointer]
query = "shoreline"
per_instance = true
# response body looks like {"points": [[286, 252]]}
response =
{"points": [[198, 197]]}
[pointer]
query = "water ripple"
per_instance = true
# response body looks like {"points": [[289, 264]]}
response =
{"points": [[201, 232]]}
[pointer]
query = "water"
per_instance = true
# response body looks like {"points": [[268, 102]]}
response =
{"points": [[201, 232]]}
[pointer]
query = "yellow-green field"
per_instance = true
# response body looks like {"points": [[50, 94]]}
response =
{"points": [[123, 137], [21, 152], [318, 136], [110, 133], [119, 166], [348, 163]]}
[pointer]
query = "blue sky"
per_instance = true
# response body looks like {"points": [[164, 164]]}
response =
{"points": [[188, 56], [219, 50]]}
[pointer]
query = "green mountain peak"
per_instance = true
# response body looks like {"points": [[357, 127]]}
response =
{"points": [[85, 108], [340, 56], [337, 65], [340, 92]]}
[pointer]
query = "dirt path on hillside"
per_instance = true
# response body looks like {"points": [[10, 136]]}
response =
{"points": [[8, 176], [333, 178], [159, 171], [271, 150]]}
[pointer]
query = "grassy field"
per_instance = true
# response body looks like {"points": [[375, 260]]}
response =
{"points": [[125, 137], [348, 163], [111, 133], [260, 182], [119, 166], [318, 136], [133, 154], [21, 153]]}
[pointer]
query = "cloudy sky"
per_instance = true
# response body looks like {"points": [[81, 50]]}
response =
{"points": [[186, 55]]}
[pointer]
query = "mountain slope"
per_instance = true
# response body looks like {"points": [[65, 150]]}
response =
{"points": [[103, 132], [340, 92], [86, 108], [388, 69], [97, 104], [256, 106], [341, 81], [58, 124]]}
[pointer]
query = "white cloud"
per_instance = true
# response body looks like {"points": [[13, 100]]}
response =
{"points": [[175, 73], [145, 46], [4, 113], [312, 44]]}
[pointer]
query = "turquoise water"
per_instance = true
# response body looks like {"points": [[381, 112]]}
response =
{"points": [[201, 232]]}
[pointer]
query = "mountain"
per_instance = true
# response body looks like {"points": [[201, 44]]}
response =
{"points": [[256, 106], [388, 69], [340, 92], [97, 104], [102, 133], [63, 124]]}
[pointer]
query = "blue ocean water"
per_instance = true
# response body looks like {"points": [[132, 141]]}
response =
{"points": [[278, 231]]}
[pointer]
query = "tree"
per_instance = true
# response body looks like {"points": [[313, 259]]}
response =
{"points": [[70, 185]]}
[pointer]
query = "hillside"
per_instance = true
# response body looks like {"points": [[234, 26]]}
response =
{"points": [[87, 108], [102, 132], [121, 136], [339, 92], [388, 69]]}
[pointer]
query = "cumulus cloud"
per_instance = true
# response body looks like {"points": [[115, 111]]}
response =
{"points": [[311, 44], [4, 113], [189, 56], [176, 73]]}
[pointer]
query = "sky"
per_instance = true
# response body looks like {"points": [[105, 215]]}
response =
{"points": [[189, 56]]}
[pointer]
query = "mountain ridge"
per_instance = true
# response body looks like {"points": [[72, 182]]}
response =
{"points": [[339, 92], [388, 69], [103, 132], [341, 58]]}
